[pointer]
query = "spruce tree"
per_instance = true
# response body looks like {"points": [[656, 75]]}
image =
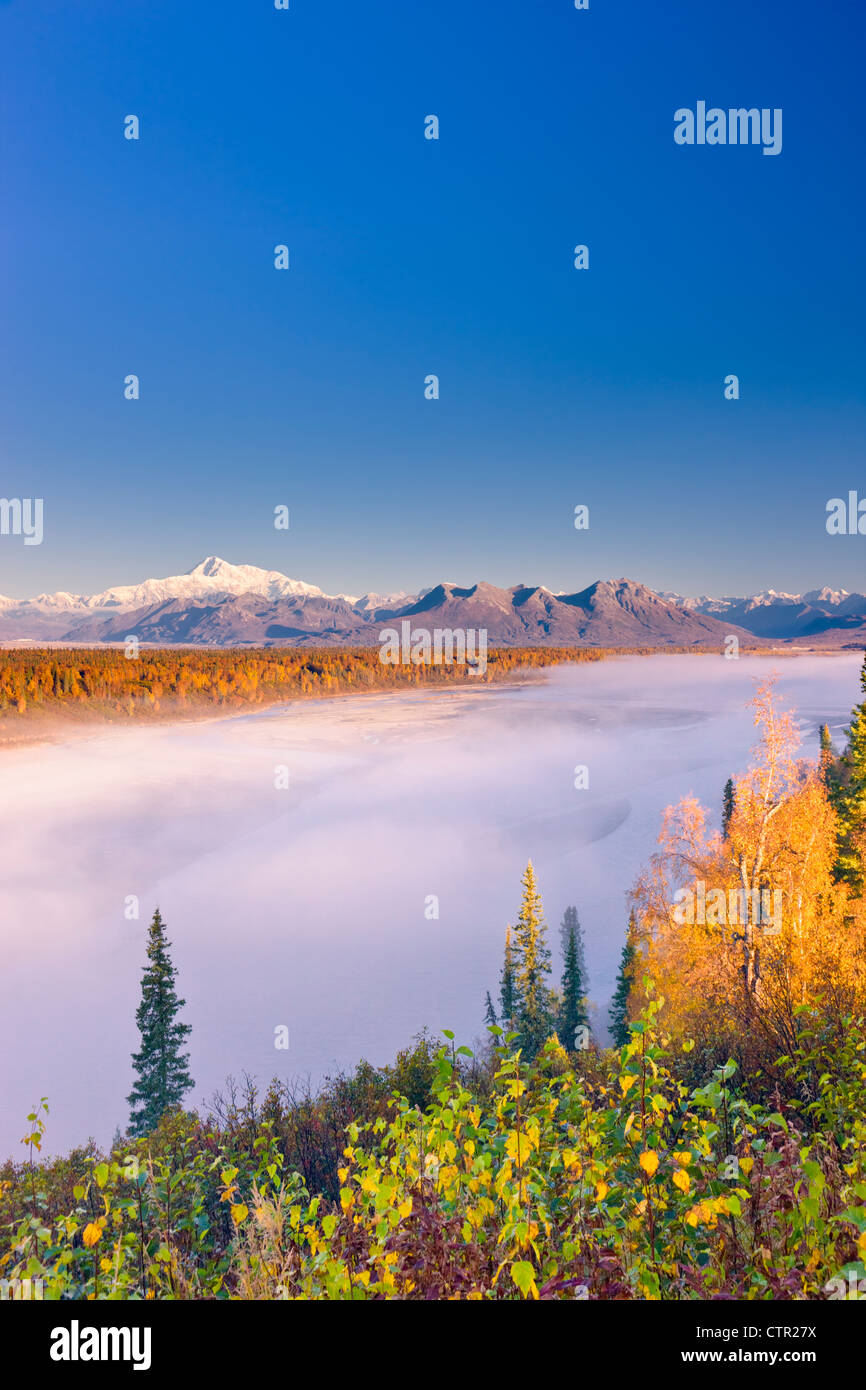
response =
{"points": [[827, 764], [534, 998], [618, 1013], [570, 919], [161, 1063], [490, 1018], [848, 795], [507, 991], [572, 1006], [727, 807]]}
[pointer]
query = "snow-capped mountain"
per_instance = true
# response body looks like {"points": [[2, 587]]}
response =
{"points": [[211, 579], [53, 616], [775, 614], [372, 602], [221, 604]]}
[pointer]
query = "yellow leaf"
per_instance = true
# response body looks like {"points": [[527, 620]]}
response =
{"points": [[518, 1147], [601, 1191], [91, 1234], [239, 1212], [683, 1158], [626, 1082], [682, 1180], [405, 1208], [649, 1161], [347, 1198]]}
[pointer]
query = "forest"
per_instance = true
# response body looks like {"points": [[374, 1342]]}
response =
{"points": [[711, 1145], [106, 683]]}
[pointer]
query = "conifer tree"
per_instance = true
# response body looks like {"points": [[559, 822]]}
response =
{"points": [[827, 762], [570, 919], [489, 1012], [534, 998], [727, 807], [572, 1005], [618, 1013], [849, 798], [507, 991], [161, 1063]]}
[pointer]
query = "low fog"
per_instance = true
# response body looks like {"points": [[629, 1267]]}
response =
{"points": [[306, 907]]}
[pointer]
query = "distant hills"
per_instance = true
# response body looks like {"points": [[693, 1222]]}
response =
{"points": [[220, 604], [821, 617]]}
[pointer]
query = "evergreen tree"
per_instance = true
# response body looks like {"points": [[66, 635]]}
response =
{"points": [[534, 998], [507, 991], [161, 1063], [848, 795], [572, 1006], [618, 1013], [489, 1012], [570, 919], [727, 807], [827, 763]]}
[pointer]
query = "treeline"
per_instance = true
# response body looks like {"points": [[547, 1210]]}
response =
{"points": [[108, 682]]}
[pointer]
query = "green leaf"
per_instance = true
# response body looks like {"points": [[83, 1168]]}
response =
{"points": [[523, 1275]]}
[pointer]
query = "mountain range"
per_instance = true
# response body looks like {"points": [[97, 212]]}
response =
{"points": [[220, 604]]}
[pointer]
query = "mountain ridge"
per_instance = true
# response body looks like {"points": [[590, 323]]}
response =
{"points": [[221, 604]]}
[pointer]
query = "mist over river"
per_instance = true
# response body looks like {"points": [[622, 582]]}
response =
{"points": [[305, 907]]}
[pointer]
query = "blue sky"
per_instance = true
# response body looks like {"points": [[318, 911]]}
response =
{"points": [[410, 257]]}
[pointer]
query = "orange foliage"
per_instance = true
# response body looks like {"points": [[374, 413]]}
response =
{"points": [[739, 933]]}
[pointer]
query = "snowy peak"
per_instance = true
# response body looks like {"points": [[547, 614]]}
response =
{"points": [[214, 574], [775, 614], [825, 595], [211, 579]]}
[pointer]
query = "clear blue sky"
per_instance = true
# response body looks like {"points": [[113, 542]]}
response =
{"points": [[411, 257]]}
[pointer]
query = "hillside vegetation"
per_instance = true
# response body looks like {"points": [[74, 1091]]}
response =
{"points": [[718, 1150]]}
